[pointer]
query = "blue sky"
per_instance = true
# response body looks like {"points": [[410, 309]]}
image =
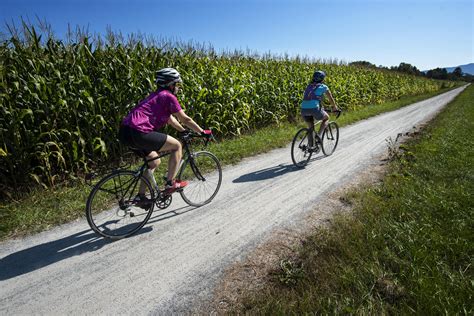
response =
{"points": [[424, 33]]}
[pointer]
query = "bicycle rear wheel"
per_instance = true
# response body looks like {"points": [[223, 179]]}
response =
{"points": [[112, 210], [204, 175], [330, 138], [300, 149]]}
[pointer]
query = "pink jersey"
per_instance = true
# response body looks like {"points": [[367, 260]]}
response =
{"points": [[153, 112]]}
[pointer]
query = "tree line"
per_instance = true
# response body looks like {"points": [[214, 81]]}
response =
{"points": [[437, 73]]}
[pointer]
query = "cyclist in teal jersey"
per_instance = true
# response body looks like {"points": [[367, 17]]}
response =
{"points": [[312, 106]]}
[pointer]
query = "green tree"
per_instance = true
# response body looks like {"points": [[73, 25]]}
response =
{"points": [[362, 63], [408, 68], [437, 73], [457, 73]]}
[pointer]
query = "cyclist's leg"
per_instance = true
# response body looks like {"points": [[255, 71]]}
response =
{"points": [[174, 146], [309, 119], [152, 165], [322, 115], [150, 143], [310, 123]]}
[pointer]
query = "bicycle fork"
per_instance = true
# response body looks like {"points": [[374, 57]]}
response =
{"points": [[195, 169]]}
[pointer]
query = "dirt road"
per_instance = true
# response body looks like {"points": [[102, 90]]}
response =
{"points": [[178, 257]]}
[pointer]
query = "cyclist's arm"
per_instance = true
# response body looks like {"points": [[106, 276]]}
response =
{"points": [[175, 124], [186, 120], [331, 100]]}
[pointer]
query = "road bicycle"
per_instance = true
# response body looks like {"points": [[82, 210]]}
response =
{"points": [[113, 209], [301, 151]]}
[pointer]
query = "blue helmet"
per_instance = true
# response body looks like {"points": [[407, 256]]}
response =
{"points": [[319, 76]]}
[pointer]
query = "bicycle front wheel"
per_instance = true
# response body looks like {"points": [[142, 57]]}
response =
{"points": [[330, 138], [203, 172], [112, 209], [300, 149]]}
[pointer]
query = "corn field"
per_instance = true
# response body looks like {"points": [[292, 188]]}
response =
{"points": [[61, 102]]}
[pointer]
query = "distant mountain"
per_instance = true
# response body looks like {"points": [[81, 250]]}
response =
{"points": [[467, 69]]}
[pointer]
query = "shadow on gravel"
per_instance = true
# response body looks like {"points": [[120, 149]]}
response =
{"points": [[169, 214], [40, 256], [267, 173], [37, 257]]}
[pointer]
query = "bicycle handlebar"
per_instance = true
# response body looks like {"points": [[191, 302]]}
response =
{"points": [[337, 111], [187, 135]]}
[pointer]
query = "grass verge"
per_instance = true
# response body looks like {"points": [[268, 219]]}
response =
{"points": [[407, 248], [43, 209]]}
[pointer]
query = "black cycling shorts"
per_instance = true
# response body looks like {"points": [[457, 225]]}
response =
{"points": [[147, 142], [310, 114]]}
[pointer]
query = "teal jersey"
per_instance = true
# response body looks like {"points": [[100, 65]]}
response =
{"points": [[313, 95]]}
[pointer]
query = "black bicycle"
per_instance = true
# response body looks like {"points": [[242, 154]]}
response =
{"points": [[302, 149], [113, 209]]}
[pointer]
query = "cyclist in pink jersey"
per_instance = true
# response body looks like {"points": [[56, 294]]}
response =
{"points": [[139, 129]]}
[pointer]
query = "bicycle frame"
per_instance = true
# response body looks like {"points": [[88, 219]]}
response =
{"points": [[187, 155], [312, 128]]}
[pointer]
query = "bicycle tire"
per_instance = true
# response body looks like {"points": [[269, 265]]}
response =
{"points": [[300, 153], [204, 175], [330, 138], [111, 210]]}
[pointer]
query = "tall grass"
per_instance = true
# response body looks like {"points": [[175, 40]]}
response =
{"points": [[61, 102]]}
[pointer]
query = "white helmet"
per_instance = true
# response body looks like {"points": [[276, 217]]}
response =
{"points": [[167, 76]]}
